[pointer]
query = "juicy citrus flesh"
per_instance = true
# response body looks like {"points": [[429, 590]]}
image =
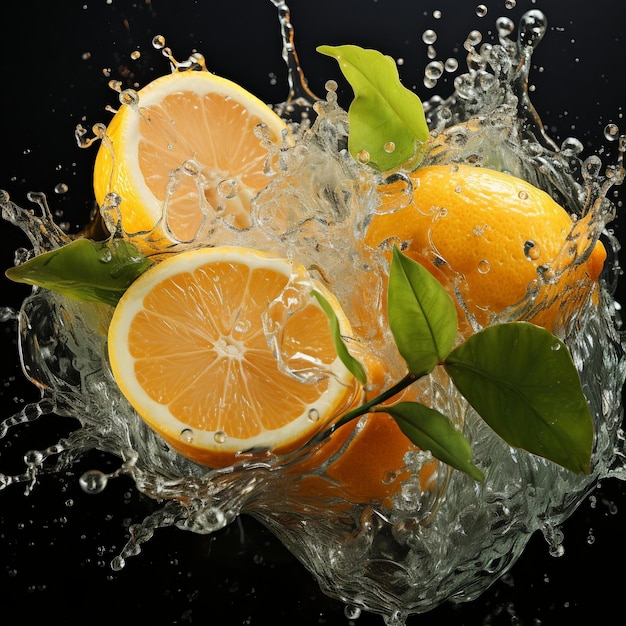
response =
{"points": [[185, 152], [490, 234], [188, 349]]}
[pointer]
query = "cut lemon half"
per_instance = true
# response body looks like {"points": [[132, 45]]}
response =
{"points": [[182, 150], [193, 346]]}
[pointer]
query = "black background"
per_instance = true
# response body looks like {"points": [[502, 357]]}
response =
{"points": [[56, 543]]}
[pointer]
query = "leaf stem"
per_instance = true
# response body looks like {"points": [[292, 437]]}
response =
{"points": [[368, 406]]}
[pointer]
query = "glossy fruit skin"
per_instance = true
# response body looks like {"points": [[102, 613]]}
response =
{"points": [[492, 236]]}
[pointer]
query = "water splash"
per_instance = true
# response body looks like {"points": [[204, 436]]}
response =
{"points": [[448, 543]]}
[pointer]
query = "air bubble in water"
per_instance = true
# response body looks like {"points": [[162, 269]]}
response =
{"points": [[93, 481]]}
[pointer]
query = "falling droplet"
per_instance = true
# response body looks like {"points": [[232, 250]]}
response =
{"points": [[93, 481], [429, 36], [481, 10], [611, 132]]}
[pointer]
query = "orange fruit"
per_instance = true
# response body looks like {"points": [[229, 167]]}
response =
{"points": [[490, 235], [190, 348], [181, 153], [364, 460]]}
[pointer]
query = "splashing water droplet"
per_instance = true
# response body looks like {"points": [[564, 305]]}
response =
{"points": [[510, 4], [61, 188], [481, 10], [93, 481], [429, 36], [313, 415], [352, 612], [186, 435], [611, 132]]}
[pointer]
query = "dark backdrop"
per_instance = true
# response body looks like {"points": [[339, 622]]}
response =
{"points": [[57, 543]]}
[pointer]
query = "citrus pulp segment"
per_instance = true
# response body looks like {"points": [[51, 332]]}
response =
{"points": [[183, 151], [189, 348]]}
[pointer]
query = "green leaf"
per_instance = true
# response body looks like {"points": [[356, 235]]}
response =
{"points": [[430, 430], [85, 270], [352, 364], [386, 119], [522, 381], [422, 316]]}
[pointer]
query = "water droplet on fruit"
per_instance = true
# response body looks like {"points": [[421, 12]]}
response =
{"points": [[227, 189], [522, 195], [313, 415], [483, 266], [429, 36], [219, 436], [186, 435], [389, 147], [531, 250]]}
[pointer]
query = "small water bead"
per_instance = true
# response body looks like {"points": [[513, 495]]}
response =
{"points": [[437, 14], [313, 415], [434, 70], [61, 188], [483, 267], [93, 481], [129, 97], [451, 64], [227, 188], [510, 4], [219, 436], [135, 54], [429, 36], [504, 26], [522, 195], [611, 132], [191, 167], [186, 435], [531, 250], [389, 147], [352, 612], [158, 42], [363, 156], [481, 10]]}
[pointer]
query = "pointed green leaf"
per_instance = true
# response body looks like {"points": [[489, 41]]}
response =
{"points": [[522, 381], [85, 270], [422, 316], [352, 364], [386, 119], [430, 430]]}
